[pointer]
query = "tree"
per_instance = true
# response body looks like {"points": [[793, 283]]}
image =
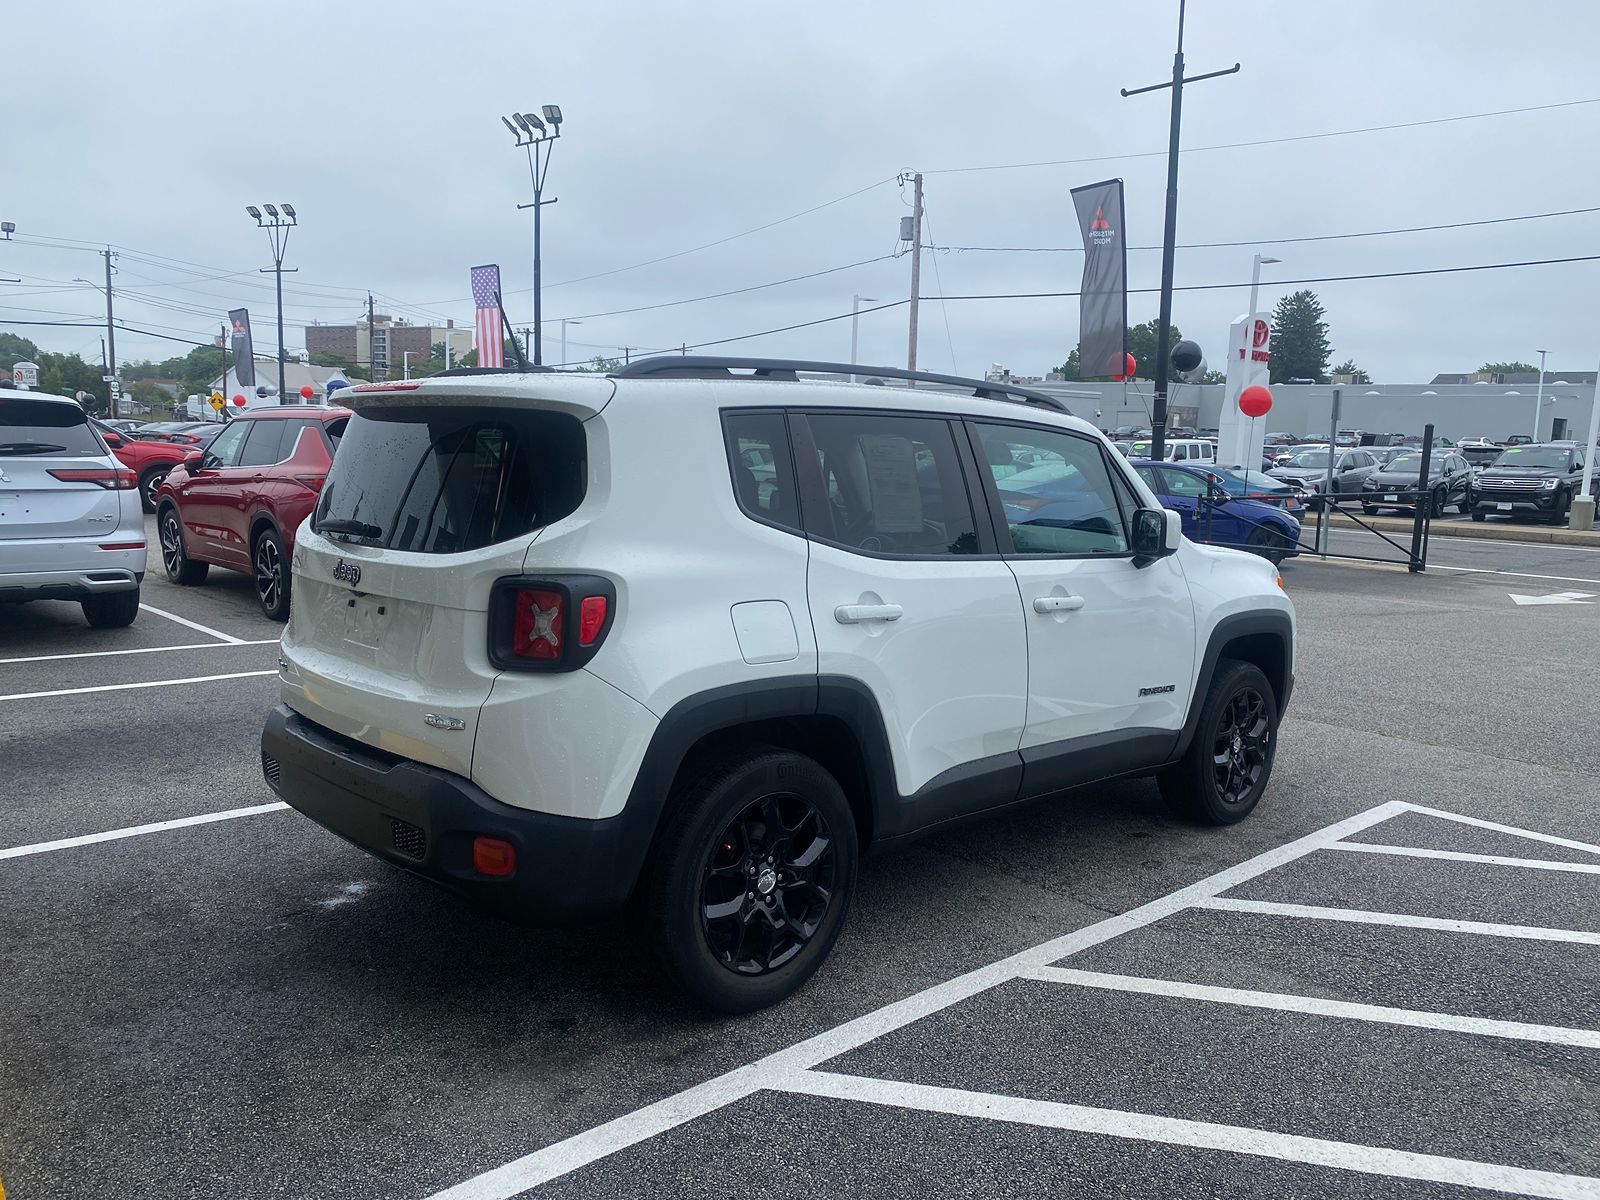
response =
{"points": [[1214, 377], [1300, 348], [152, 396], [1508, 368], [331, 358], [15, 349], [1348, 367], [600, 365], [1141, 344]]}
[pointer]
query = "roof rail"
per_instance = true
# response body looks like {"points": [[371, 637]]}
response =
{"points": [[454, 371], [713, 367]]}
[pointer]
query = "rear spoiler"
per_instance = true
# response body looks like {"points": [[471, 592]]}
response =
{"points": [[580, 394]]}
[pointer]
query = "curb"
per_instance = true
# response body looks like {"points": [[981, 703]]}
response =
{"points": [[1475, 529]]}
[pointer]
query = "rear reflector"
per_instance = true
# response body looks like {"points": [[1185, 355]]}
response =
{"points": [[122, 545], [591, 619], [110, 478], [537, 622], [491, 856]]}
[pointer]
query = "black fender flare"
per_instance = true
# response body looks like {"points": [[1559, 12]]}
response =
{"points": [[1269, 623]]}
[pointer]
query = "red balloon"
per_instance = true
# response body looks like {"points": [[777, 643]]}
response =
{"points": [[1129, 365], [238, 400], [1255, 401], [307, 391]]}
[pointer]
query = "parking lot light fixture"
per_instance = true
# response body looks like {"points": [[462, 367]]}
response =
{"points": [[533, 119], [277, 228], [552, 114], [537, 139]]}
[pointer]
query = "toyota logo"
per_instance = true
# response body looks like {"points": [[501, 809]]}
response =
{"points": [[348, 572]]}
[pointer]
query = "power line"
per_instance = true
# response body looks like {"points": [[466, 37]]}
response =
{"points": [[617, 312], [1284, 241], [1302, 137]]}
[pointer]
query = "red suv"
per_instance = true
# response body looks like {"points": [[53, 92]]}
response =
{"points": [[149, 460], [238, 503]]}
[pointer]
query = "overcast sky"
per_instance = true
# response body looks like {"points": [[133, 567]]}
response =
{"points": [[152, 126]]}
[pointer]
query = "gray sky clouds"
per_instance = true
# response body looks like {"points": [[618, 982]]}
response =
{"points": [[151, 126]]}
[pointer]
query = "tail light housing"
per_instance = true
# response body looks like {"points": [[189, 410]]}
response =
{"points": [[549, 622], [113, 479], [313, 482]]}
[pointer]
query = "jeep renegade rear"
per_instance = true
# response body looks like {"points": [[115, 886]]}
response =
{"points": [[695, 640]]}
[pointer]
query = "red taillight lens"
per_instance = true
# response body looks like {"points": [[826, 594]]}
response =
{"points": [[122, 545], [537, 621], [591, 619], [314, 482], [492, 856], [110, 478]]}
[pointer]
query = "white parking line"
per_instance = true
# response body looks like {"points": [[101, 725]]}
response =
{"points": [[122, 687], [581, 1149], [195, 625], [1356, 916], [1510, 574], [138, 650], [1200, 1135], [1558, 1035], [1530, 834], [115, 835], [1499, 860]]}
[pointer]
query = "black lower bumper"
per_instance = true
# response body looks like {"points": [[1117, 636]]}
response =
{"points": [[424, 820], [1520, 502]]}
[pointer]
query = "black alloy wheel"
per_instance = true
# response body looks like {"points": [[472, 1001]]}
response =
{"points": [[1268, 543], [271, 576], [767, 884], [1240, 746], [180, 569], [149, 485]]}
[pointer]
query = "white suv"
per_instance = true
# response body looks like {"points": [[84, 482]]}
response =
{"points": [[71, 527], [695, 639]]}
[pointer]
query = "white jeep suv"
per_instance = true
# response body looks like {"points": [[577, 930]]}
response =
{"points": [[696, 638], [71, 527]]}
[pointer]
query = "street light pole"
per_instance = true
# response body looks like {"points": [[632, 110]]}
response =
{"points": [[405, 364], [565, 321], [855, 313], [1158, 414], [1538, 399], [537, 137], [1255, 281], [277, 226]]}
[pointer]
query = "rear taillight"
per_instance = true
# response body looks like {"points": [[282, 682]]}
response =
{"points": [[110, 478], [537, 629], [493, 856], [549, 623], [314, 482]]}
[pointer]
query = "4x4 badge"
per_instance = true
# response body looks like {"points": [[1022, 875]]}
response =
{"points": [[348, 572]]}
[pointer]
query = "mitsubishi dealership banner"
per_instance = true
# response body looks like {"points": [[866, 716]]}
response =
{"points": [[244, 354], [1103, 306]]}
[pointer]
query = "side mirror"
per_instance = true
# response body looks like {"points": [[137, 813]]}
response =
{"points": [[113, 440], [1156, 534], [192, 461]]}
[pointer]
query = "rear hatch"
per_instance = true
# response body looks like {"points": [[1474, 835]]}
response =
{"points": [[57, 480], [435, 493]]}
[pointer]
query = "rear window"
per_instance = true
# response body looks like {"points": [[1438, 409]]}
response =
{"points": [[442, 481], [44, 427]]}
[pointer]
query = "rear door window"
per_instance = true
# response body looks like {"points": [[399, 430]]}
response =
{"points": [[762, 467], [45, 427], [263, 444], [443, 481]]}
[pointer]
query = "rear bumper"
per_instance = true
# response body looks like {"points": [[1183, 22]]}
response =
{"points": [[109, 571], [424, 819]]}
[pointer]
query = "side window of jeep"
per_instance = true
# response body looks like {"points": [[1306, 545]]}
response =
{"points": [[762, 467]]}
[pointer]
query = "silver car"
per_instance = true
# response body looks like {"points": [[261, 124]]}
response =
{"points": [[71, 527]]}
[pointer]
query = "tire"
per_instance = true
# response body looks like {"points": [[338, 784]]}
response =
{"points": [[1436, 505], [708, 863], [1370, 509], [1268, 543], [111, 610], [270, 569], [1563, 503], [1479, 515], [149, 482], [1239, 695], [180, 568]]}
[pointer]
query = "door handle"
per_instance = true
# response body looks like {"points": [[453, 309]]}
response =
{"points": [[855, 614], [1054, 604]]}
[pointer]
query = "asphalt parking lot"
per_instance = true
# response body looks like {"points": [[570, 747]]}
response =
{"points": [[1386, 983]]}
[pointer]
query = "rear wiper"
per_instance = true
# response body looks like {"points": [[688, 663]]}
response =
{"points": [[362, 529], [30, 448]]}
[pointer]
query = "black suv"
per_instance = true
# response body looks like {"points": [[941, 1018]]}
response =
{"points": [[1538, 480]]}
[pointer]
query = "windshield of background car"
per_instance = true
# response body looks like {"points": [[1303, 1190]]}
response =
{"points": [[1411, 464], [1319, 458], [44, 427], [446, 480], [1533, 456], [1255, 481]]}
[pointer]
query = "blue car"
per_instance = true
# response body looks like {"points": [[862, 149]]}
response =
{"points": [[1211, 514]]}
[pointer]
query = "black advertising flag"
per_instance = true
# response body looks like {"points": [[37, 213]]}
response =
{"points": [[244, 354], [1103, 306]]}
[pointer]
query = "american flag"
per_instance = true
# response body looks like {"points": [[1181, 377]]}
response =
{"points": [[486, 298]]}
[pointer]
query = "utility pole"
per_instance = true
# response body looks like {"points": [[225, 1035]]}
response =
{"points": [[1158, 415], [372, 321], [916, 271], [112, 398]]}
